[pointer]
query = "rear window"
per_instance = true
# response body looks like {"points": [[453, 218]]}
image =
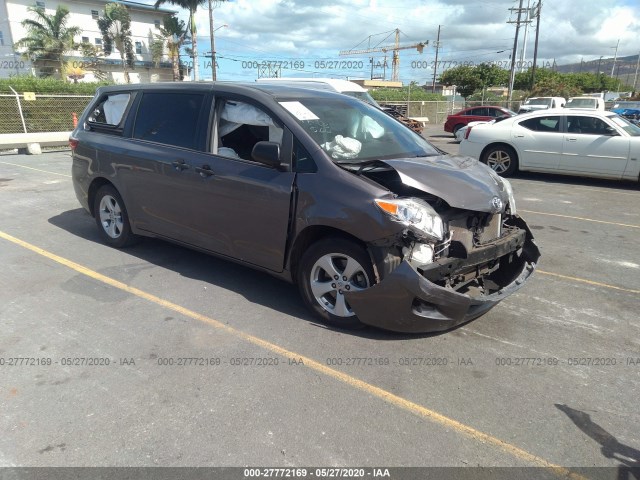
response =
{"points": [[169, 118], [542, 124]]}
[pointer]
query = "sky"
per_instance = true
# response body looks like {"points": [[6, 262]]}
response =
{"points": [[305, 37]]}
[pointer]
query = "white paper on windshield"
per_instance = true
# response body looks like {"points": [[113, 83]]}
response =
{"points": [[299, 111]]}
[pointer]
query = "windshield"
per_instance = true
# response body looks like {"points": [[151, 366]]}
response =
{"points": [[627, 105], [581, 103], [626, 125], [364, 96], [538, 101], [351, 131]]}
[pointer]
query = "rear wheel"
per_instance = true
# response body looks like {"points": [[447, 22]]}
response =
{"points": [[112, 219], [329, 269], [502, 159]]}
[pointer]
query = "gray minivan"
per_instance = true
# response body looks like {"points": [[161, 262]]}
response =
{"points": [[374, 224]]}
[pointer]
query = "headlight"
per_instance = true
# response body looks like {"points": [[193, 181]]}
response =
{"points": [[414, 213], [512, 200]]}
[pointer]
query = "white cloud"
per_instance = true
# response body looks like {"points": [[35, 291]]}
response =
{"points": [[471, 31]]}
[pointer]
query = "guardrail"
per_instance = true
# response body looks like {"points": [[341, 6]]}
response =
{"points": [[32, 143]]}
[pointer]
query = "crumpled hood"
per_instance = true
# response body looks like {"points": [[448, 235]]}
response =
{"points": [[462, 182]]}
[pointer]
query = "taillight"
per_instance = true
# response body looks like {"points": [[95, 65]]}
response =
{"points": [[73, 143], [466, 134]]}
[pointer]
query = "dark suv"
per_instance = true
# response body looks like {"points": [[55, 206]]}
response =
{"points": [[372, 222]]}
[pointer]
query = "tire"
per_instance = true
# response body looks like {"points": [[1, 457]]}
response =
{"points": [[502, 159], [323, 292], [111, 217], [456, 128]]}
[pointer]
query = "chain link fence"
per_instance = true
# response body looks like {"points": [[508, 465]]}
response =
{"points": [[437, 111], [42, 113], [55, 113]]}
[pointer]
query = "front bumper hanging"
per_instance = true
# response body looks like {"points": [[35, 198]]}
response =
{"points": [[406, 301]]}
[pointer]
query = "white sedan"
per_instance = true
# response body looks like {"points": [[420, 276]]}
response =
{"points": [[571, 142], [462, 131]]}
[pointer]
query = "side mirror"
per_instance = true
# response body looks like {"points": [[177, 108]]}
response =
{"points": [[267, 153], [611, 132]]}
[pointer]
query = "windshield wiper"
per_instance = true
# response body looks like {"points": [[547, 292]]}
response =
{"points": [[359, 162], [362, 164]]}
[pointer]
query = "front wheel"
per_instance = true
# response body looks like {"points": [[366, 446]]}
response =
{"points": [[112, 219], [502, 159], [329, 269]]}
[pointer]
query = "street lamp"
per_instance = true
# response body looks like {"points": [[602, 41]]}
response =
{"points": [[213, 52]]}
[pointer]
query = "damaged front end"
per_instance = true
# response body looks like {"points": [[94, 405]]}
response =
{"points": [[428, 284]]}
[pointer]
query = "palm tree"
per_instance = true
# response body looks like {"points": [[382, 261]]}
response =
{"points": [[115, 27], [48, 37], [173, 34], [192, 6]]}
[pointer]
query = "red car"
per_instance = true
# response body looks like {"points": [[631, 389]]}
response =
{"points": [[456, 121]]}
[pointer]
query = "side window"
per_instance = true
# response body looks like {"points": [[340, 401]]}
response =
{"points": [[110, 110], [542, 124], [495, 113], [241, 126], [479, 112], [586, 125], [302, 160], [169, 118]]}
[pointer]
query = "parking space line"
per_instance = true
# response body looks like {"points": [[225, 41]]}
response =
{"points": [[580, 218], [608, 191], [354, 382], [590, 282], [36, 169]]}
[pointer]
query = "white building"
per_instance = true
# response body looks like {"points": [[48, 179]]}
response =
{"points": [[145, 22]]}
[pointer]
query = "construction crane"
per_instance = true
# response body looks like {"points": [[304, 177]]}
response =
{"points": [[394, 48]]}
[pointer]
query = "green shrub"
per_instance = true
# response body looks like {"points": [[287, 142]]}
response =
{"points": [[403, 94], [48, 85]]}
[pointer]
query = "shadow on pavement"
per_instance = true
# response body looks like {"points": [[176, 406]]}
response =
{"points": [[611, 448], [257, 287]]}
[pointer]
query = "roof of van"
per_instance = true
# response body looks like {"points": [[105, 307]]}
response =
{"points": [[273, 90], [336, 84]]}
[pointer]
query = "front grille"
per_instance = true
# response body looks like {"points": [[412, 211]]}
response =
{"points": [[491, 231], [468, 231]]}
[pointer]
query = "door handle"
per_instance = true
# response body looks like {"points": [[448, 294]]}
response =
{"points": [[180, 165], [572, 139], [204, 171]]}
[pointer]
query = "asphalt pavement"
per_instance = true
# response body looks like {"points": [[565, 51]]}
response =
{"points": [[161, 356]]}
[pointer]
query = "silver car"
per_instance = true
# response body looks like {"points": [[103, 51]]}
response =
{"points": [[572, 142]]}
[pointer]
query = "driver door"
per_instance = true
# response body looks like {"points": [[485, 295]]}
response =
{"points": [[243, 206]]}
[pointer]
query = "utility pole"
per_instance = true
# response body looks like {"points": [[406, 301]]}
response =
{"points": [[523, 51], [435, 65], [615, 57], [635, 80], [213, 42], [535, 48], [512, 74]]}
